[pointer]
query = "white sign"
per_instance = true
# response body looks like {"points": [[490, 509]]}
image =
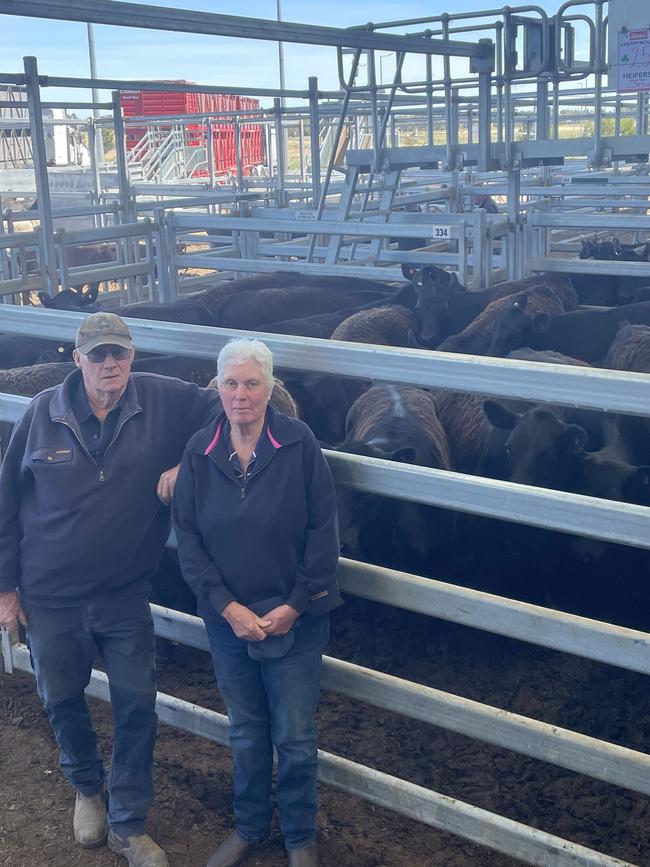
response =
{"points": [[633, 60], [441, 233], [305, 215]]}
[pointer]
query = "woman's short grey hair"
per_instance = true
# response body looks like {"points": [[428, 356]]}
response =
{"points": [[242, 349]]}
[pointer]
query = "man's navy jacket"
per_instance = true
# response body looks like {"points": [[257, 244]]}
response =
{"points": [[71, 530]]}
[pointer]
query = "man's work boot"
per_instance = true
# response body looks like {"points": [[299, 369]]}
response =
{"points": [[139, 850], [90, 824], [307, 857], [234, 851]]}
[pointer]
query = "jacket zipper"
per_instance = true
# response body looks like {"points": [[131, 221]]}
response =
{"points": [[83, 446], [115, 436], [242, 488], [100, 476]]}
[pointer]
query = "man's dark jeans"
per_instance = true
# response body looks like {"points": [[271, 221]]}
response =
{"points": [[273, 702], [63, 643]]}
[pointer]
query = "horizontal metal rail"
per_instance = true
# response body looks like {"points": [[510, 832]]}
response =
{"points": [[455, 224], [268, 266], [539, 740], [211, 24], [408, 799], [611, 390], [590, 266], [610, 520]]}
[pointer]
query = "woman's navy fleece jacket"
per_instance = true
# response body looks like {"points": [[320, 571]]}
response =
{"points": [[273, 534]]}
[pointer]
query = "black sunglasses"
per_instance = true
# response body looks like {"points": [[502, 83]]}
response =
{"points": [[101, 353]]}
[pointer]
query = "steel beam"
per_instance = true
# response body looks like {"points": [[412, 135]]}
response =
{"points": [[212, 24]]}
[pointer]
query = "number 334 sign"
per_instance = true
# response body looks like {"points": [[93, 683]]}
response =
{"points": [[633, 60]]}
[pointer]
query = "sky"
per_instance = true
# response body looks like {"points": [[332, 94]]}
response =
{"points": [[61, 48]]}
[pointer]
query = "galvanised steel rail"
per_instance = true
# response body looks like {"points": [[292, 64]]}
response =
{"points": [[613, 391], [432, 808], [212, 24]]}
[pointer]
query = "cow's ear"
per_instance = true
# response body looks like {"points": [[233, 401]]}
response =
{"points": [[45, 299], [90, 295], [499, 416], [617, 248], [455, 287], [405, 455], [585, 249], [409, 271], [575, 438], [541, 321]]}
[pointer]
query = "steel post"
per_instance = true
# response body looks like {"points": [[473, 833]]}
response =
{"points": [[46, 230], [314, 140], [279, 153]]}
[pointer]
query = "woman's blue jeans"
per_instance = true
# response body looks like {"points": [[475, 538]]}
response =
{"points": [[272, 703]]}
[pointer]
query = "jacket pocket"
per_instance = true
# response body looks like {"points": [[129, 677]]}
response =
{"points": [[51, 456]]}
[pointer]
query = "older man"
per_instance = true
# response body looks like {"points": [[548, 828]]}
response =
{"points": [[83, 523]]}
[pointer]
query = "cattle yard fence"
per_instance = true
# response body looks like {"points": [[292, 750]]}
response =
{"points": [[599, 641]]}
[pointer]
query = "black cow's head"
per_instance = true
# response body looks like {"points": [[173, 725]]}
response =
{"points": [[434, 288], [514, 328], [541, 449]]}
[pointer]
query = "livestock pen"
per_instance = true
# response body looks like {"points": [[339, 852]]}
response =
{"points": [[583, 515], [381, 164]]}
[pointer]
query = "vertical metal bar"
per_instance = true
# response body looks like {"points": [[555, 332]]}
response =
{"points": [[301, 148], [46, 230], [128, 215], [314, 139], [127, 210], [451, 123], [598, 83], [429, 93], [499, 77], [514, 190], [279, 153], [377, 140], [542, 109], [162, 267], [93, 133], [238, 155], [209, 132], [99, 143], [484, 126]]}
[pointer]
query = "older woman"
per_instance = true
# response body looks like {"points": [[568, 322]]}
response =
{"points": [[255, 516]]}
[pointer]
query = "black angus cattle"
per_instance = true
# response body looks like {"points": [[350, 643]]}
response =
{"points": [[395, 423], [609, 290], [19, 350], [253, 308], [322, 325], [583, 334], [445, 307], [71, 299], [325, 398], [477, 337], [382, 326]]}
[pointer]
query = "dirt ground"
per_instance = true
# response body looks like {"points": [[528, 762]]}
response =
{"points": [[192, 812]]}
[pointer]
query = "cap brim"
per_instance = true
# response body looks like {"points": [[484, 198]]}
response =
{"points": [[106, 340]]}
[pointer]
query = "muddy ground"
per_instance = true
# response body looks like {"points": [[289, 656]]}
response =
{"points": [[192, 810]]}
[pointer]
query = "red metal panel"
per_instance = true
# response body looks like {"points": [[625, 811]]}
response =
{"points": [[156, 103]]}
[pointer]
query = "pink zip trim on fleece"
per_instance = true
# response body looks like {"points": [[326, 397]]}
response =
{"points": [[215, 440], [274, 442]]}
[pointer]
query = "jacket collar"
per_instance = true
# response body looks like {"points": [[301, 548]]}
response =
{"points": [[278, 431], [61, 404]]}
